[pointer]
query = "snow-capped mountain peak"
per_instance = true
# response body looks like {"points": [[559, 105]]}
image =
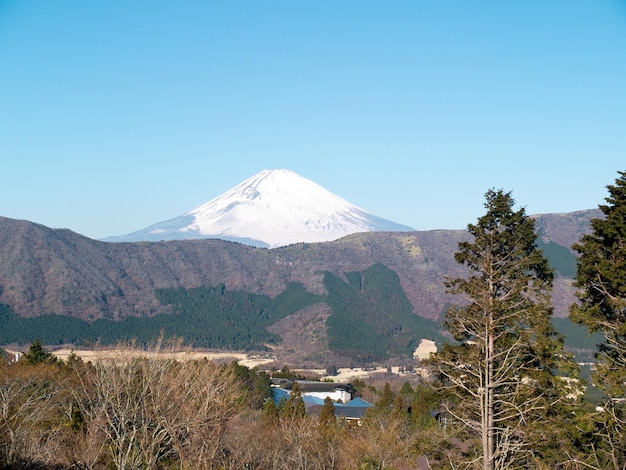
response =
{"points": [[272, 208]]}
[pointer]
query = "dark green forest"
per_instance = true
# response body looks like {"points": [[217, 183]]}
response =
{"points": [[560, 258], [210, 317], [371, 319], [371, 316]]}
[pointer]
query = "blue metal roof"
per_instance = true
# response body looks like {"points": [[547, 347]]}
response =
{"points": [[279, 394], [359, 402]]}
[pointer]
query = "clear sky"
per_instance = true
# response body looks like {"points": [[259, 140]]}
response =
{"points": [[121, 113]]}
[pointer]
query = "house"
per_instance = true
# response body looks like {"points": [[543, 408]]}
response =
{"points": [[313, 394], [337, 392], [353, 412]]}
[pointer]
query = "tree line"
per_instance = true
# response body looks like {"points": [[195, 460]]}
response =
{"points": [[513, 389]]}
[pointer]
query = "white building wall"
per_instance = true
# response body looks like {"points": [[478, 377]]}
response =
{"points": [[337, 395]]}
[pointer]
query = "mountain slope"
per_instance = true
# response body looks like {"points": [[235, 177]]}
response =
{"points": [[347, 296], [273, 208], [47, 271]]}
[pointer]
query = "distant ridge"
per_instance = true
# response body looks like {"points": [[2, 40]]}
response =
{"points": [[46, 272], [270, 209]]}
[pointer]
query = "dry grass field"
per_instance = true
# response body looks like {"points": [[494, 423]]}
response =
{"points": [[92, 355], [249, 360]]}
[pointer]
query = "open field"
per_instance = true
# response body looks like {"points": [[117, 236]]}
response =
{"points": [[248, 360]]}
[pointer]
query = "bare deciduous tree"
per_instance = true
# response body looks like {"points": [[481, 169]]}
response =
{"points": [[205, 397], [149, 408], [31, 426]]}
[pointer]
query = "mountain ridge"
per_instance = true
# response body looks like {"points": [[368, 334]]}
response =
{"points": [[57, 271], [362, 297]]}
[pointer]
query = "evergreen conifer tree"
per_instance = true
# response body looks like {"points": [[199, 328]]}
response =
{"points": [[601, 278], [386, 400], [502, 371], [406, 389], [400, 409], [327, 413], [270, 411], [294, 406], [37, 354]]}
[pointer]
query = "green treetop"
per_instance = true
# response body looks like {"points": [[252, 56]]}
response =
{"points": [[601, 279], [327, 413], [294, 406], [502, 371], [37, 354]]}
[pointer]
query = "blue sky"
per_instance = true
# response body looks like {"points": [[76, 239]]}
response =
{"points": [[118, 114]]}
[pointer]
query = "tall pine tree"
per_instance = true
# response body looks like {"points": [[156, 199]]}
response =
{"points": [[37, 354], [294, 407], [601, 279], [501, 373]]}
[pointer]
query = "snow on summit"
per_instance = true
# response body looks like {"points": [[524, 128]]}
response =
{"points": [[270, 209]]}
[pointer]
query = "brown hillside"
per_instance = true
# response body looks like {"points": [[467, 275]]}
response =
{"points": [[44, 270]]}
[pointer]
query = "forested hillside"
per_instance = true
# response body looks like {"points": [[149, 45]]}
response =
{"points": [[56, 271], [370, 319], [382, 292]]}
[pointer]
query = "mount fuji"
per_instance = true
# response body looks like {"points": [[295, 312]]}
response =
{"points": [[270, 209]]}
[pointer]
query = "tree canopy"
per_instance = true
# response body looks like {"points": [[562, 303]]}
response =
{"points": [[36, 353], [601, 279], [501, 373]]}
